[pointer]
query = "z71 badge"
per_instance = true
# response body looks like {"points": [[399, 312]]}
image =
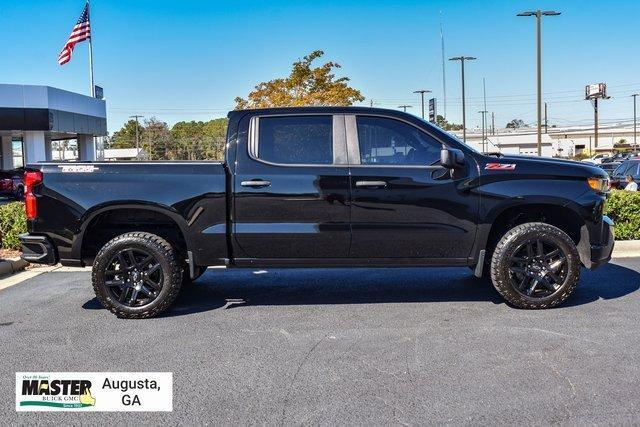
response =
{"points": [[500, 166]]}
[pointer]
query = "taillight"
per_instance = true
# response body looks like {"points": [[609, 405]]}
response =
{"points": [[31, 179]]}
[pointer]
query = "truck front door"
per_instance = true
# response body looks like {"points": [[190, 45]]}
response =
{"points": [[291, 189], [404, 205]]}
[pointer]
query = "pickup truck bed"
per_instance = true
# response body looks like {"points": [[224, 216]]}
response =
{"points": [[185, 199]]}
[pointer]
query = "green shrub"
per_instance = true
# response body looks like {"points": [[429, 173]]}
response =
{"points": [[623, 207], [13, 222]]}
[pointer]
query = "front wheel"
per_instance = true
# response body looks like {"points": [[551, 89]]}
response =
{"points": [[535, 265], [137, 275]]}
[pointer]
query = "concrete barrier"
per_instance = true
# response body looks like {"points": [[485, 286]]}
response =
{"points": [[10, 266]]}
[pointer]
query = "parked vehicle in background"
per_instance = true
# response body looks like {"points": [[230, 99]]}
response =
{"points": [[321, 187], [609, 167], [12, 184], [596, 159], [628, 167], [620, 157]]}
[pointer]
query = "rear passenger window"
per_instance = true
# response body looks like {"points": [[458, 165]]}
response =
{"points": [[386, 141], [306, 140], [619, 169]]}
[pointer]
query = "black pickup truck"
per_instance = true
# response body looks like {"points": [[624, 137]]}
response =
{"points": [[321, 187]]}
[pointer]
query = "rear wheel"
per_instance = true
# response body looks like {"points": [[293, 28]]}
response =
{"points": [[137, 275], [535, 265], [19, 194]]}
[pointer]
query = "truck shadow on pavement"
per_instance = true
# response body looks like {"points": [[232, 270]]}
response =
{"points": [[239, 288], [229, 289]]}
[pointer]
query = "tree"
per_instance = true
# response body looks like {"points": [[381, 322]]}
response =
{"points": [[198, 140], [516, 124], [305, 85], [444, 124], [157, 139], [126, 136]]}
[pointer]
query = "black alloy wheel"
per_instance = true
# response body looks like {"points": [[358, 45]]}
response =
{"points": [[535, 265], [538, 268], [137, 275], [134, 277]]}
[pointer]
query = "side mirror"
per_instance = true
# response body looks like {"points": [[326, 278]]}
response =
{"points": [[452, 158]]}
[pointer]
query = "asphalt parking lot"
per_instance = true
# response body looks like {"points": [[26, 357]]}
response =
{"points": [[360, 346]]}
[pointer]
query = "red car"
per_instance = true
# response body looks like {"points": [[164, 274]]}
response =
{"points": [[12, 184]]}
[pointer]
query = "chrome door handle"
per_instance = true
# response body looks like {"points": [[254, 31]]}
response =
{"points": [[371, 184], [257, 183]]}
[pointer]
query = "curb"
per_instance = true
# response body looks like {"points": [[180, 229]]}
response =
{"points": [[10, 266], [626, 249]]}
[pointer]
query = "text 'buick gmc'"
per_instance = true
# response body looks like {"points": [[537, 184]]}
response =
{"points": [[321, 187]]}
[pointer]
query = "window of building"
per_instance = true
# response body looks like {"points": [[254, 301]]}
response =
{"points": [[17, 152]]}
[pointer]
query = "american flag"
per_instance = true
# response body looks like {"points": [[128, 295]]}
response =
{"points": [[81, 32]]}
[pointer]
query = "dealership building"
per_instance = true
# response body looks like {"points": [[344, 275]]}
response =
{"points": [[34, 117]]}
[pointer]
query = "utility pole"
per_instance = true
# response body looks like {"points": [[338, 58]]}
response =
{"points": [[136, 117], [483, 112], [635, 119], [484, 94], [444, 78], [493, 123], [464, 118], [422, 92], [546, 123], [539, 14], [404, 107]]}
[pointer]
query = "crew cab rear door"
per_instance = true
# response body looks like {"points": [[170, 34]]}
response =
{"points": [[404, 204], [291, 189]]}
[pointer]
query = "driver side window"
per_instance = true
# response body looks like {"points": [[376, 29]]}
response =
{"points": [[385, 141]]}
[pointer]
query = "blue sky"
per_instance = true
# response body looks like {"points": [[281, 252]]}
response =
{"points": [[184, 60]]}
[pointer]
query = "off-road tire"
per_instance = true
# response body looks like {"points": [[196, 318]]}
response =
{"points": [[505, 249], [165, 255]]}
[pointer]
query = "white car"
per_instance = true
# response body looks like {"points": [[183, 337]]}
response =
{"points": [[597, 159]]}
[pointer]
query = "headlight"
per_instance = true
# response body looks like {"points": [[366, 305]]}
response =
{"points": [[601, 185]]}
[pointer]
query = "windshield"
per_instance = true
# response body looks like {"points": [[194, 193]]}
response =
{"points": [[449, 135]]}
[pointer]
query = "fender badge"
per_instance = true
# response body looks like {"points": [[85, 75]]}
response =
{"points": [[500, 166]]}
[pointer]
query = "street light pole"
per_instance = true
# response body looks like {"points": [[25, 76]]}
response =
{"points": [[464, 118], [635, 128], [422, 92], [539, 14], [404, 107]]}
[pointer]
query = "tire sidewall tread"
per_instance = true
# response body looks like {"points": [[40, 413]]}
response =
{"points": [[507, 245], [171, 268]]}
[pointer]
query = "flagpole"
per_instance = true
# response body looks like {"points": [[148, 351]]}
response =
{"points": [[92, 90]]}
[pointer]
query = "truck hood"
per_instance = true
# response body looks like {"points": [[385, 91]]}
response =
{"points": [[546, 166]]}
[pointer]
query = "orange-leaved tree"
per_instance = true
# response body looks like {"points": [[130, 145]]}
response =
{"points": [[306, 85]]}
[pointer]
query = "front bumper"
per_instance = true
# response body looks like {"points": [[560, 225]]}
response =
{"points": [[593, 255], [37, 249]]}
